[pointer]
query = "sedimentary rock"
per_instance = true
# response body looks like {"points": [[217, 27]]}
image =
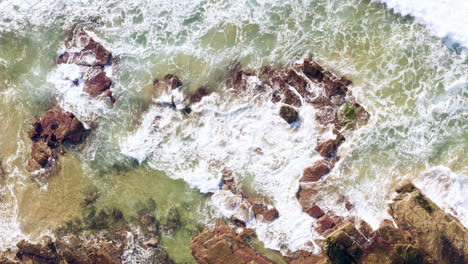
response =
{"points": [[439, 234], [50, 133], [315, 172], [83, 50], [224, 245], [289, 114], [97, 83], [66, 250], [266, 214]]}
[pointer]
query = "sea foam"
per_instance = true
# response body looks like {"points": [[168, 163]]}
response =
{"points": [[445, 18]]}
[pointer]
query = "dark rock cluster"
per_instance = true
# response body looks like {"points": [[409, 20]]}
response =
{"points": [[49, 136]]}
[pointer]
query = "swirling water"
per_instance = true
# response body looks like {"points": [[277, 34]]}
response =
{"points": [[414, 85]]}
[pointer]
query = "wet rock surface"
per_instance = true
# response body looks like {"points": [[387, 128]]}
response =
{"points": [[83, 50], [224, 245], [50, 134], [439, 234], [64, 250]]}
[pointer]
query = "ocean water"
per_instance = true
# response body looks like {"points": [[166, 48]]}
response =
{"points": [[410, 72]]}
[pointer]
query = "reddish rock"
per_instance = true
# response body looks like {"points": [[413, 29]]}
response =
{"points": [[324, 223], [198, 95], [316, 212], [224, 245], [267, 214], [315, 172], [329, 147], [304, 257], [50, 133], [305, 195], [288, 113], [84, 50], [97, 83]]}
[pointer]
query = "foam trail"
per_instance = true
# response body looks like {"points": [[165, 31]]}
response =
{"points": [[246, 136], [445, 18]]}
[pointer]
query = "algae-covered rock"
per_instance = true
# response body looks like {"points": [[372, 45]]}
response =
{"points": [[342, 246], [437, 233]]}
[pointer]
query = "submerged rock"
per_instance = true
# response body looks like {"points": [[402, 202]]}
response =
{"points": [[224, 245], [50, 133], [172, 219]]}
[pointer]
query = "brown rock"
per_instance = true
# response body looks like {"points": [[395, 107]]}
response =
{"points": [[90, 53], [329, 147], [439, 234], [316, 212], [50, 133], [41, 252], [324, 223], [224, 245], [97, 83], [315, 172], [172, 219], [267, 214], [198, 95], [304, 257], [288, 113]]}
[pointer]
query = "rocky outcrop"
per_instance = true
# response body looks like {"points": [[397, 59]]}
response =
{"points": [[439, 234], [224, 245], [83, 50], [65, 250], [50, 134]]}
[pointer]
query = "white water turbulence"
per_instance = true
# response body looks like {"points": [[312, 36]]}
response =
{"points": [[445, 18], [446, 189], [246, 136]]}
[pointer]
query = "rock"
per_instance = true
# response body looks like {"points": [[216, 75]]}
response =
{"points": [[328, 148], [149, 224], [341, 246], [289, 114], [324, 223], [304, 257], [198, 95], [169, 83], [315, 172], [173, 219], [263, 211], [84, 50], [153, 242], [43, 252], [74, 250], [172, 81], [97, 83], [224, 245], [50, 133], [316, 212], [439, 234]]}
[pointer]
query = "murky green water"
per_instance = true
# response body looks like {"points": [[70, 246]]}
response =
{"points": [[414, 86]]}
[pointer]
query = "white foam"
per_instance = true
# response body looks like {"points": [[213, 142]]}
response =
{"points": [[73, 98], [445, 18], [246, 136]]}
